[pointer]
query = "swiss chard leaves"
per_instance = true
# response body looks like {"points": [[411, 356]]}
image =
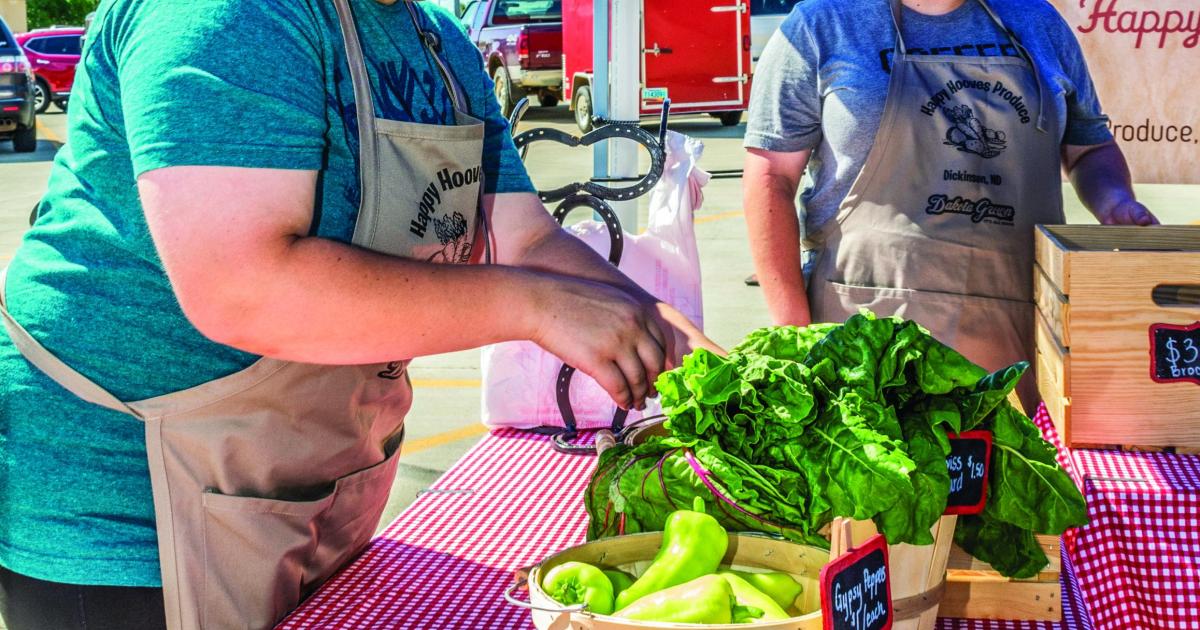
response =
{"points": [[801, 425]]}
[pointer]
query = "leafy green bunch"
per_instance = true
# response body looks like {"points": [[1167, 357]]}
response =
{"points": [[798, 426]]}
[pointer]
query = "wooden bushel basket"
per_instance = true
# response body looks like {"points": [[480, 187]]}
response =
{"points": [[634, 553], [918, 573]]}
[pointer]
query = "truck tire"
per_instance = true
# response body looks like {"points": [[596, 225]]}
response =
{"points": [[503, 88], [25, 140], [547, 99], [583, 107], [730, 119], [41, 96]]}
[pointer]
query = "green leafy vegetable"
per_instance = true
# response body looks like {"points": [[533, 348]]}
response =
{"points": [[798, 426]]}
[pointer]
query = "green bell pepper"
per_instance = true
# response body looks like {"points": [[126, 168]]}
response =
{"points": [[707, 599], [693, 545], [767, 609], [620, 580], [781, 587], [573, 583]]}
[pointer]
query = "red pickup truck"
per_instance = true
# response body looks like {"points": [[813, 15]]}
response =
{"points": [[521, 42]]}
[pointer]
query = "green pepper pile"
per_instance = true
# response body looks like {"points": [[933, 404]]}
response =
{"points": [[685, 582], [798, 426]]}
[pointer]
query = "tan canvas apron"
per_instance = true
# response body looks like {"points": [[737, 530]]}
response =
{"points": [[267, 481], [938, 226]]}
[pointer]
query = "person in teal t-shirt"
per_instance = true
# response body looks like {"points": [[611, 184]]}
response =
{"points": [[200, 217]]}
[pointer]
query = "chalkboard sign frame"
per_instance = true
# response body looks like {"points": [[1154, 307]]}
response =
{"points": [[843, 563], [984, 436], [1154, 329]]}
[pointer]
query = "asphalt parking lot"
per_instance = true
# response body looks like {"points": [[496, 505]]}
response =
{"points": [[444, 422]]}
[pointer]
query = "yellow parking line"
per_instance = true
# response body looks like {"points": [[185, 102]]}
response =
{"points": [[49, 134], [719, 216], [446, 383], [434, 441]]}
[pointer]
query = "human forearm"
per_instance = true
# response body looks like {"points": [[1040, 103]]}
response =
{"points": [[320, 301], [234, 244], [774, 232], [1101, 179]]}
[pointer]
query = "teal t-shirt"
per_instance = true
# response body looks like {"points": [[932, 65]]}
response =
{"points": [[239, 83]]}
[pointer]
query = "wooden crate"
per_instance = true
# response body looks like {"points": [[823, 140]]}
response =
{"points": [[974, 590], [1096, 288]]}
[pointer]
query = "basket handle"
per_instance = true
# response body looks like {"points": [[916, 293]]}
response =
{"points": [[841, 538], [914, 606], [510, 596]]}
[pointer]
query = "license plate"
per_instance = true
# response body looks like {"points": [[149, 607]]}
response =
{"points": [[654, 94]]}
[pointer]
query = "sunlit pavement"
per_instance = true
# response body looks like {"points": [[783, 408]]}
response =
{"points": [[444, 421]]}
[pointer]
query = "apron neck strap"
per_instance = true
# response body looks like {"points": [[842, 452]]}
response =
{"points": [[356, 60], [1021, 50], [433, 46], [52, 366], [902, 49]]}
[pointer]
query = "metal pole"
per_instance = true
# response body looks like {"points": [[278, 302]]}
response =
{"points": [[616, 90]]}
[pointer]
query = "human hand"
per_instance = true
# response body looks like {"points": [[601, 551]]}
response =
{"points": [[683, 336], [1128, 212], [605, 333]]}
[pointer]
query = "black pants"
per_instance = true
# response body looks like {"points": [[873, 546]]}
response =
{"points": [[30, 604]]}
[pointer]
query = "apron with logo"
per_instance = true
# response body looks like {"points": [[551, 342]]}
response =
{"points": [[938, 227], [267, 481]]}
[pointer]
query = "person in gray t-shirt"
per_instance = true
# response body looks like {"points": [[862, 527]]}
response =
{"points": [[819, 93]]}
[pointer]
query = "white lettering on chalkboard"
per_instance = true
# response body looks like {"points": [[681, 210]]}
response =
{"points": [[849, 603], [1182, 358], [973, 469]]}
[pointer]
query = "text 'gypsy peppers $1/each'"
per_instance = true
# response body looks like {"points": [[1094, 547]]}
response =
{"points": [[572, 583], [693, 545]]}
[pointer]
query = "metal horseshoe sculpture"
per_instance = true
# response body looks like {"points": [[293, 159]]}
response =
{"points": [[594, 194]]}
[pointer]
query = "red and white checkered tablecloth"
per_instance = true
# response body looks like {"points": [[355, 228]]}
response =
{"points": [[508, 503], [1138, 560]]}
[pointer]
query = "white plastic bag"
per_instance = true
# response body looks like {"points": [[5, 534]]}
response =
{"points": [[519, 378]]}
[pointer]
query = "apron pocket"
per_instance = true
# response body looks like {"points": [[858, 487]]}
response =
{"points": [[285, 549], [349, 524], [845, 300]]}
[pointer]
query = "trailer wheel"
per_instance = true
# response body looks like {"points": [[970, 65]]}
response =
{"points": [[547, 99], [729, 119], [504, 90], [583, 108]]}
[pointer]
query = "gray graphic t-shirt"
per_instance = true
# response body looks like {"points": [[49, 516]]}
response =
{"points": [[823, 78]]}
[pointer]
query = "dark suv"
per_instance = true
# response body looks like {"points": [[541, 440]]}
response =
{"points": [[17, 117]]}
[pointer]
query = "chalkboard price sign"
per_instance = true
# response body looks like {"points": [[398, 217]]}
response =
{"points": [[1175, 353], [968, 463], [856, 592]]}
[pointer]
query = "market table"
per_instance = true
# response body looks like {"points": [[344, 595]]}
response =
{"points": [[509, 502], [1138, 560]]}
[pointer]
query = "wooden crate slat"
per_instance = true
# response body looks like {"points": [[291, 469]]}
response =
{"points": [[1053, 306], [1074, 238], [975, 590]]}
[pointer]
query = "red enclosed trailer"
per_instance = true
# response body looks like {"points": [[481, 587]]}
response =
{"points": [[695, 52]]}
